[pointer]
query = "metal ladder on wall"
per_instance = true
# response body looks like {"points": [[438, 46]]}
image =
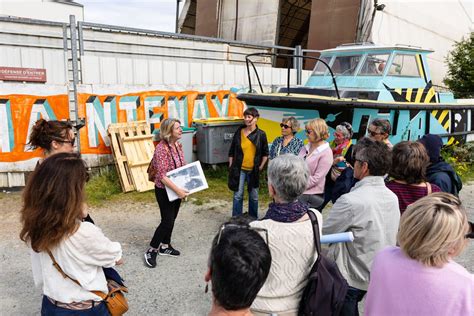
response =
{"points": [[73, 70]]}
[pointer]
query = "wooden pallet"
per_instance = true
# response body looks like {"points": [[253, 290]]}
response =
{"points": [[132, 146]]}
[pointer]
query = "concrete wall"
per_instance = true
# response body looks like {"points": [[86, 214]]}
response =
{"points": [[34, 46], [257, 21], [41, 10], [428, 24], [123, 76]]}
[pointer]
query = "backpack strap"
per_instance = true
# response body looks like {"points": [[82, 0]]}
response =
{"points": [[316, 236]]}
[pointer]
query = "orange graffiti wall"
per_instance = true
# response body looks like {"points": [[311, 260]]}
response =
{"points": [[19, 112]]}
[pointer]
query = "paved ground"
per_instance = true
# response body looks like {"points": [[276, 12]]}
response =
{"points": [[174, 287]]}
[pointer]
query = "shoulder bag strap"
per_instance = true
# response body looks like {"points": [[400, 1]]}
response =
{"points": [[172, 157], [317, 240], [56, 265], [428, 188]]}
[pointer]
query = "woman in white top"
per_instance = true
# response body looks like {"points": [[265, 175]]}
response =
{"points": [[290, 238], [52, 213]]}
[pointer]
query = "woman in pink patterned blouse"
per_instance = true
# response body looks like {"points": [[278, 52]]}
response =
{"points": [[168, 156]]}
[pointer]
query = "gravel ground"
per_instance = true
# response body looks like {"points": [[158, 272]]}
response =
{"points": [[174, 287]]}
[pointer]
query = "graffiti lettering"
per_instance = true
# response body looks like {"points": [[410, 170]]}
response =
{"points": [[6, 132]]}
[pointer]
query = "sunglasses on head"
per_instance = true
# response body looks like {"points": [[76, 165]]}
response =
{"points": [[285, 126], [239, 226]]}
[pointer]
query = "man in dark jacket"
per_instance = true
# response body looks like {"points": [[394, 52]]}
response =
{"points": [[248, 154], [440, 172]]}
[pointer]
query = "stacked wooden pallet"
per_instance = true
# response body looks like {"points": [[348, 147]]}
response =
{"points": [[132, 147]]}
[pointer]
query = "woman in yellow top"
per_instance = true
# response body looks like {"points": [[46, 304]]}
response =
{"points": [[248, 154]]}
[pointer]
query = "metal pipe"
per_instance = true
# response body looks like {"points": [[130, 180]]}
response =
{"points": [[30, 21], [182, 36], [298, 64], [236, 18], [177, 16], [81, 39]]}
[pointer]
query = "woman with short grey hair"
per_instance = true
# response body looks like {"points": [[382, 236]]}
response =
{"points": [[290, 235], [287, 143]]}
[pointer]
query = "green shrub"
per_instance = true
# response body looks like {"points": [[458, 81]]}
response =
{"points": [[461, 157]]}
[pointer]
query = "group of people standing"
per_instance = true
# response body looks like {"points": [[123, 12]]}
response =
{"points": [[406, 231]]}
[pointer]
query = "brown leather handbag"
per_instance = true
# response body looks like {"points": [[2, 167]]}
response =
{"points": [[151, 171], [115, 300]]}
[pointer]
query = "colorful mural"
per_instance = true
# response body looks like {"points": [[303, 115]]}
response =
{"points": [[18, 113]]}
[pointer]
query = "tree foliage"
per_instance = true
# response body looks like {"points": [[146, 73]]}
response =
{"points": [[460, 61]]}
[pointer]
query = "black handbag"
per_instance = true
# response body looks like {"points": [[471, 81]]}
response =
{"points": [[326, 290]]}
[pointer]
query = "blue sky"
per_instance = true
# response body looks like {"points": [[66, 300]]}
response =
{"points": [[158, 15]]}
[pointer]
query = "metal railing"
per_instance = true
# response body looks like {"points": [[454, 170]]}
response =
{"points": [[289, 57]]}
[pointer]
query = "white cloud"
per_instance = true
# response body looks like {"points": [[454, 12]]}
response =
{"points": [[158, 15]]}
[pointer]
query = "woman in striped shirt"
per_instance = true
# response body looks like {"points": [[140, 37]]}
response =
{"points": [[408, 173]]}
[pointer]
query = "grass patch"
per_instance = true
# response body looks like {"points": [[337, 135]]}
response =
{"points": [[105, 186]]}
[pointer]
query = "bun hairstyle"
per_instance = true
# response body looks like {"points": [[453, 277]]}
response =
{"points": [[44, 132]]}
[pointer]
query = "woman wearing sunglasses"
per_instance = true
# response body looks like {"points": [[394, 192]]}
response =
{"points": [[319, 158], [52, 137], [287, 143], [379, 130], [290, 238], [420, 277]]}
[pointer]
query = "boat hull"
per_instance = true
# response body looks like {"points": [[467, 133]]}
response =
{"points": [[452, 121]]}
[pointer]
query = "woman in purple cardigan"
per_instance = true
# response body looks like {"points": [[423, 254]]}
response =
{"points": [[318, 156], [420, 277]]}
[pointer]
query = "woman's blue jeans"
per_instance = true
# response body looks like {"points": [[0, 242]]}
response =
{"points": [[238, 201], [48, 309]]}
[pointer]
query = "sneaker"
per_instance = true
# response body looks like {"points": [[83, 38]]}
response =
{"points": [[169, 251], [150, 257]]}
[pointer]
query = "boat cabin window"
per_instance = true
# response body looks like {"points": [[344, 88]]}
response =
{"points": [[321, 68], [345, 65], [374, 65], [404, 65]]}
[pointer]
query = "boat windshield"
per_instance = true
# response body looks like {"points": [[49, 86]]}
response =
{"points": [[345, 65], [321, 68], [404, 65], [374, 65]]}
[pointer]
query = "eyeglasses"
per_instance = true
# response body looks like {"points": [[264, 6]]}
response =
{"points": [[309, 131], [359, 160], [374, 133], [285, 126], [240, 226], [72, 141]]}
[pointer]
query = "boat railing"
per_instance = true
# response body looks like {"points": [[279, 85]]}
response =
{"points": [[249, 63]]}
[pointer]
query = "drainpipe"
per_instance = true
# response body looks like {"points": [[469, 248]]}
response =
{"points": [[236, 18]]}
